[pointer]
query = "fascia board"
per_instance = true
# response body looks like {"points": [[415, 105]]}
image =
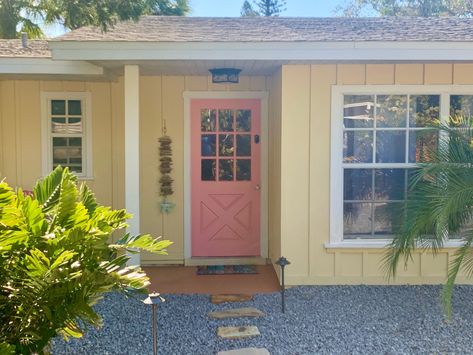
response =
{"points": [[47, 66], [297, 51]]}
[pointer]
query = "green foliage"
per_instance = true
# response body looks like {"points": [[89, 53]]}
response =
{"points": [[439, 206], [420, 8], [29, 14], [56, 262], [263, 8]]}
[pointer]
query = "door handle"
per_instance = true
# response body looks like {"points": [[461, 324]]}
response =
{"points": [[257, 187]]}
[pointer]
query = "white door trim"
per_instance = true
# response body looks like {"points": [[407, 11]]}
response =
{"points": [[188, 96]]}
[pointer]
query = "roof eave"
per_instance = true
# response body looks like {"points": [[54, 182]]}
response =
{"points": [[326, 51]]}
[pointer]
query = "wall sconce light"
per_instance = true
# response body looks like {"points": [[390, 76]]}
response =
{"points": [[225, 75]]}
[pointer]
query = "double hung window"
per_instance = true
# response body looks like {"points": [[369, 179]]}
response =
{"points": [[379, 135], [66, 132]]}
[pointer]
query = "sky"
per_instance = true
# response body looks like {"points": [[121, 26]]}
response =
{"points": [[231, 8]]}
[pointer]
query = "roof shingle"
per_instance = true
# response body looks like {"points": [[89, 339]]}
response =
{"points": [[34, 49], [280, 29]]}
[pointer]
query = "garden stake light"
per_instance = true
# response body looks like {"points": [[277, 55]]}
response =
{"points": [[282, 262], [154, 299]]}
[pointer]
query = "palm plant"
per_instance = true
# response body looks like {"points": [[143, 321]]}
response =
{"points": [[56, 261], [439, 206]]}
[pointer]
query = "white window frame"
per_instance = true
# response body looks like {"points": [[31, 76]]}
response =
{"points": [[336, 155], [46, 134]]}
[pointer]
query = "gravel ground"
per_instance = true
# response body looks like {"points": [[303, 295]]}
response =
{"points": [[318, 320]]}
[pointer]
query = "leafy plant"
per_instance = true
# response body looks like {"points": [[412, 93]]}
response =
{"points": [[56, 261], [439, 205]]}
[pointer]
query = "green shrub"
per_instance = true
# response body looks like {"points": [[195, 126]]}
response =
{"points": [[56, 261]]}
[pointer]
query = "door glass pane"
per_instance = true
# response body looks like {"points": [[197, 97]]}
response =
{"points": [[358, 147], [422, 144], [58, 125], [207, 145], [358, 111], [74, 107], [424, 110], [58, 107], [75, 125], [208, 120], [461, 106], [225, 120], [391, 110], [225, 145], [386, 218], [243, 145], [358, 184], [243, 120], [225, 169], [243, 169], [208, 167], [390, 184], [356, 220], [390, 146]]}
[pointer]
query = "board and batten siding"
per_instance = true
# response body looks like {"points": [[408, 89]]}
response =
{"points": [[161, 98], [305, 174]]}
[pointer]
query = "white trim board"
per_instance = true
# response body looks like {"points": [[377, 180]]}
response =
{"points": [[336, 150], [188, 96], [48, 66], [336, 51]]}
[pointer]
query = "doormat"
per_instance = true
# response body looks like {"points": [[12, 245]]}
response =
{"points": [[226, 269]]}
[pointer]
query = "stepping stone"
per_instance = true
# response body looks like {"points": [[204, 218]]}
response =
{"points": [[237, 313], [238, 332], [217, 299], [245, 351]]}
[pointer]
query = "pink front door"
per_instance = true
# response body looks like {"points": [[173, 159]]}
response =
{"points": [[226, 177]]}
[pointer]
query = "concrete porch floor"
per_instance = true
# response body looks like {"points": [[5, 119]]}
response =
{"points": [[184, 280]]}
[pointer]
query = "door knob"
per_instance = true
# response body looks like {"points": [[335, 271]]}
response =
{"points": [[257, 187]]}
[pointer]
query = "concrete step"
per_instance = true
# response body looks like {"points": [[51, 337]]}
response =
{"points": [[245, 351], [223, 298], [246, 331], [236, 313]]}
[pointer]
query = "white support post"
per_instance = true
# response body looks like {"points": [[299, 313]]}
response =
{"points": [[132, 151]]}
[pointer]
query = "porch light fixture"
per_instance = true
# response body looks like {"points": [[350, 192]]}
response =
{"points": [[225, 75], [154, 299]]}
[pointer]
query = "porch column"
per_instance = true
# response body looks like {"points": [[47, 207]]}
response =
{"points": [[132, 151]]}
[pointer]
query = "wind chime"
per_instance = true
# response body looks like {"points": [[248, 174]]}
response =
{"points": [[165, 168]]}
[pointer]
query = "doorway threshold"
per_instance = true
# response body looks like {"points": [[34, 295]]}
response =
{"points": [[206, 261]]}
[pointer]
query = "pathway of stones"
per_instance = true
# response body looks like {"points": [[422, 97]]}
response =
{"points": [[237, 332]]}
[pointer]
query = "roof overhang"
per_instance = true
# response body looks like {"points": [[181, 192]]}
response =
{"points": [[40, 66], [290, 51]]}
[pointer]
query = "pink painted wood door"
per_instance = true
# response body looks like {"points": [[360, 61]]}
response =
{"points": [[225, 169]]}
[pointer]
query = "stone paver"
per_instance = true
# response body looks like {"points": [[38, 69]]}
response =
{"points": [[245, 351], [236, 313], [238, 332], [217, 299]]}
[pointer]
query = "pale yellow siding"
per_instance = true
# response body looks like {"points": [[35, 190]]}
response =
{"points": [[305, 173]]}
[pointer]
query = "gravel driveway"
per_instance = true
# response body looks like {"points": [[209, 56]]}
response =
{"points": [[318, 320]]}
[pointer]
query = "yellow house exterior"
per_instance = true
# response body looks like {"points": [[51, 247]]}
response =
{"points": [[130, 99]]}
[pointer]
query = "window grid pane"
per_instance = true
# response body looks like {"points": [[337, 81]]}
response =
{"points": [[67, 134], [375, 187]]}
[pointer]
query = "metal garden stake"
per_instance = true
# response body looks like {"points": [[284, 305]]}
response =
{"points": [[282, 262], [154, 299]]}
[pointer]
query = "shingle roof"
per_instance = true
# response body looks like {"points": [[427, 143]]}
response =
{"points": [[34, 49], [280, 29]]}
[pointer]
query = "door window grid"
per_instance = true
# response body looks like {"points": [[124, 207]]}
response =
{"points": [[225, 136]]}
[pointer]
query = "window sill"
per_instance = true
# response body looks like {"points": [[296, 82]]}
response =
{"points": [[85, 178], [377, 244]]}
